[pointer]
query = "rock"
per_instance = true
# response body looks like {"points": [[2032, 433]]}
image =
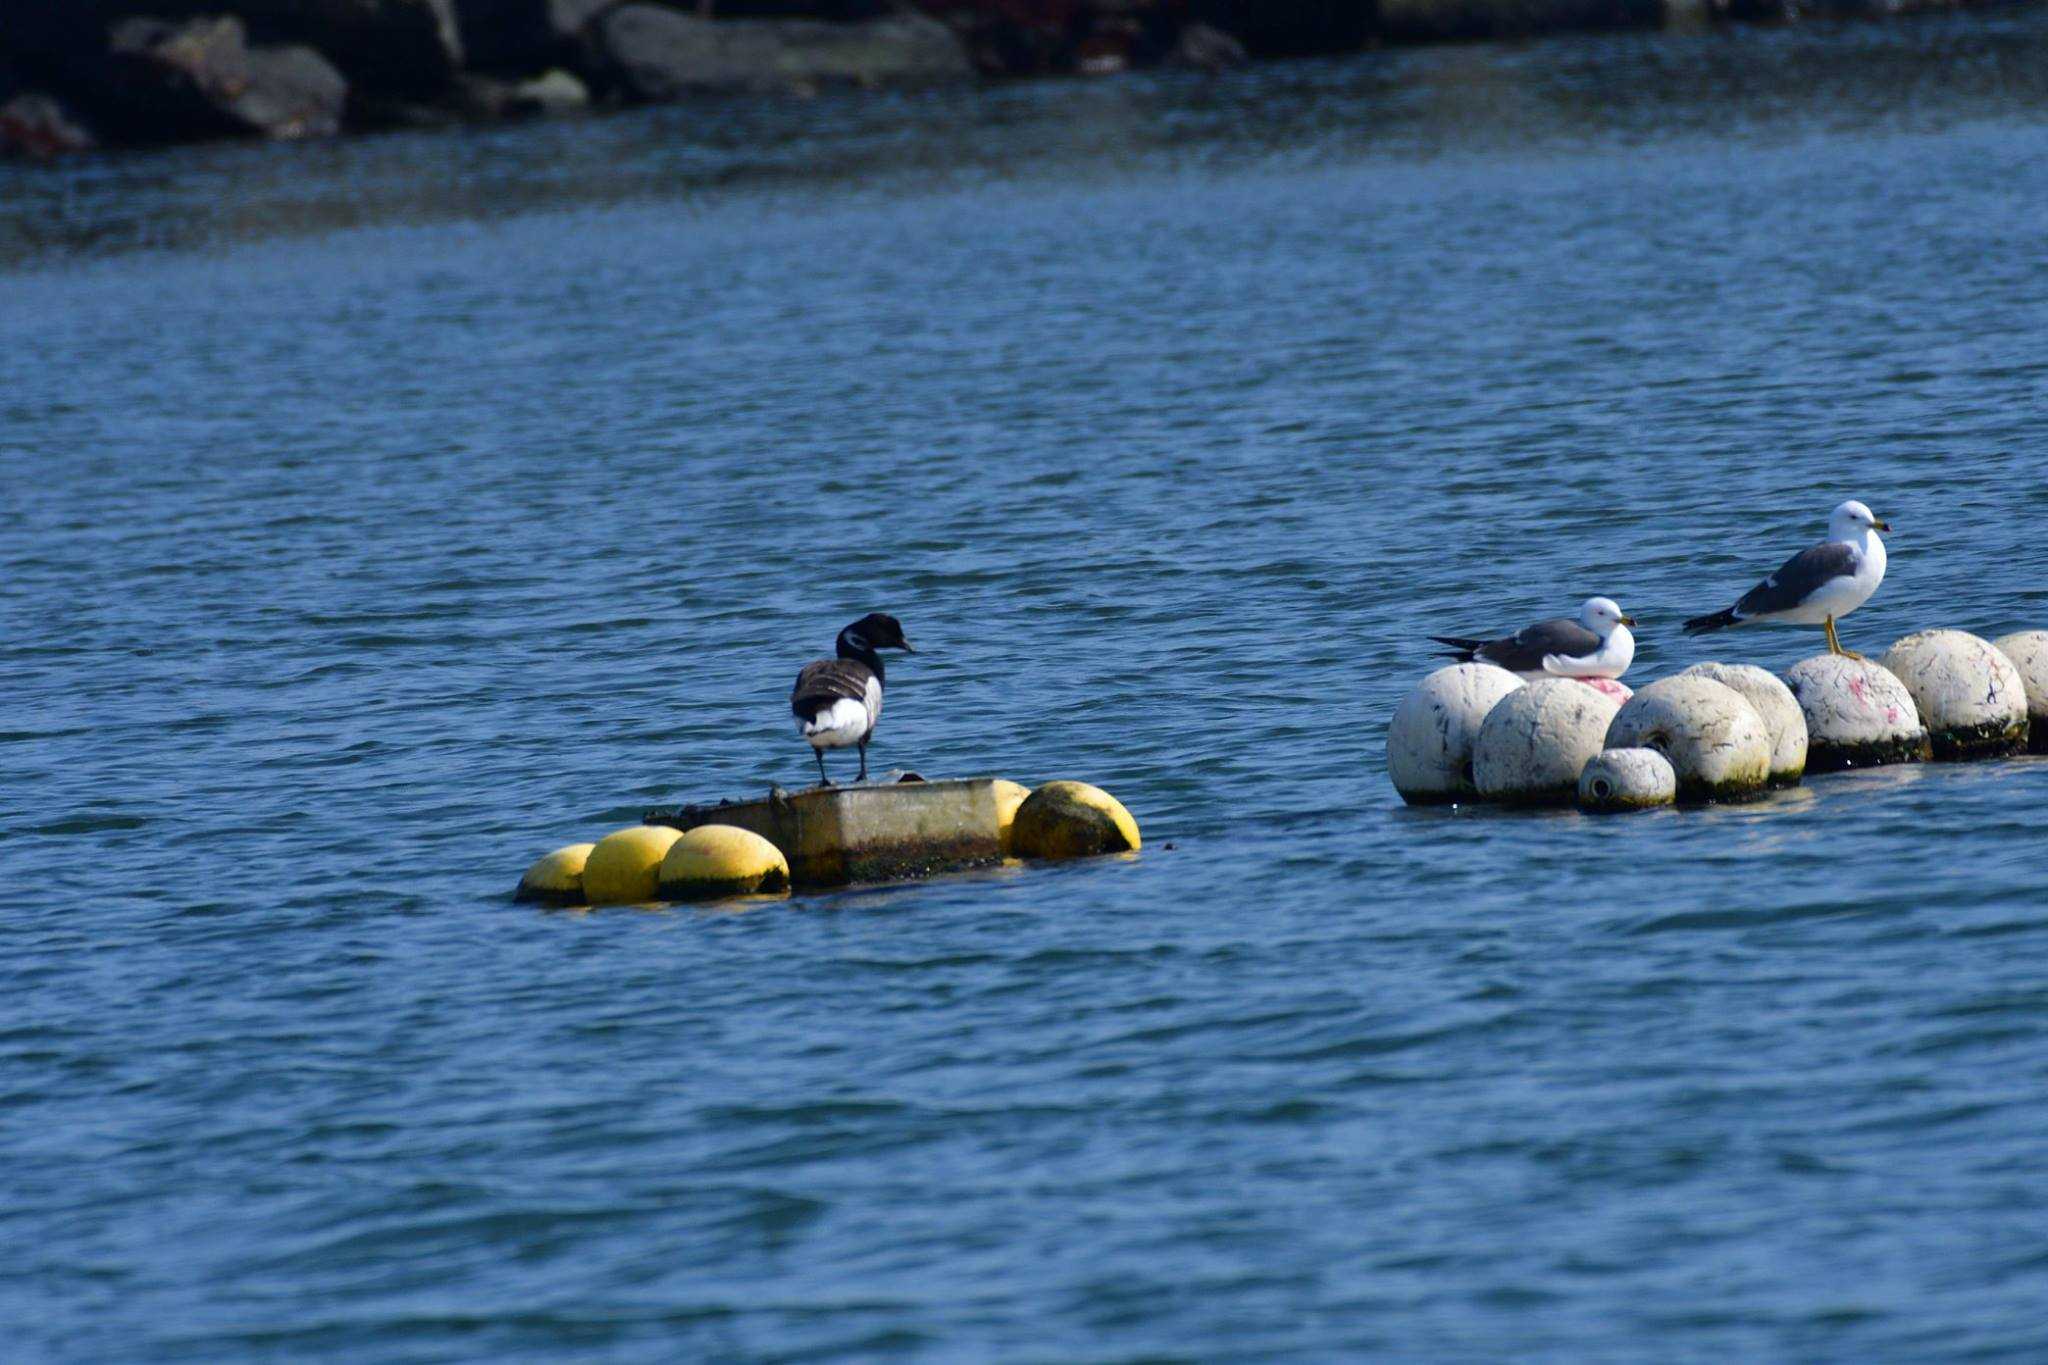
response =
{"points": [[1429, 741], [1290, 28], [487, 97], [409, 47], [167, 81], [1536, 741], [2028, 650], [1857, 714], [520, 37], [1716, 742], [650, 53], [1627, 779], [39, 127], [1206, 49], [1971, 698], [1438, 21], [1778, 708]]}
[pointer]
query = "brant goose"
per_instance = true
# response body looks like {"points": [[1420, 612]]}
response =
{"points": [[837, 701], [1818, 585], [1595, 645]]}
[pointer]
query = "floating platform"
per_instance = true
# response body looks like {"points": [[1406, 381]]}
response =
{"points": [[835, 836]]}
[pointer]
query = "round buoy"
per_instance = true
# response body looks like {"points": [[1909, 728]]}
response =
{"points": [[1971, 698], [1009, 796], [1857, 714], [1535, 742], [711, 861], [1715, 740], [623, 868], [1072, 820], [556, 879], [1627, 779], [2028, 650], [1429, 742], [1775, 705]]}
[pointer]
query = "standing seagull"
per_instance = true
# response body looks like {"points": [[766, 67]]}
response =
{"points": [[1817, 585], [1595, 645], [837, 701]]}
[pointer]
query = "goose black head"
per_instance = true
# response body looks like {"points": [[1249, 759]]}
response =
{"points": [[872, 632]]}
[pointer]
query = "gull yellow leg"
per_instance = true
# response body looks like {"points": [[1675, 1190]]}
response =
{"points": [[1835, 641]]}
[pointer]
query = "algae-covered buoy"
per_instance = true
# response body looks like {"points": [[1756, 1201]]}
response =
{"points": [[622, 869], [1775, 706], [1715, 740], [1536, 740], [1971, 698], [1072, 820], [1627, 779], [556, 879], [1009, 796], [1429, 742], [711, 861], [1857, 714], [2028, 650]]}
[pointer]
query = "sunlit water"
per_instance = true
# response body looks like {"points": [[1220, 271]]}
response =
{"points": [[378, 516]]}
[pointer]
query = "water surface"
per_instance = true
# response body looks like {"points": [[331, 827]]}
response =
{"points": [[380, 515]]}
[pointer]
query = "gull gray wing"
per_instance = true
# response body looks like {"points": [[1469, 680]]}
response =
{"points": [[1799, 578], [1523, 651], [829, 680]]}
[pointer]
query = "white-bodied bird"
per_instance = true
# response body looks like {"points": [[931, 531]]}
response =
{"points": [[1595, 644], [1819, 585]]}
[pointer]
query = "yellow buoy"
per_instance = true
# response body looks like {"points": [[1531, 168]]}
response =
{"points": [[622, 869], [1072, 820], [721, 860], [556, 879], [1009, 796]]}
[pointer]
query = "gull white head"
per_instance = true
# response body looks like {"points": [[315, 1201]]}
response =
{"points": [[1602, 615], [1853, 521]]}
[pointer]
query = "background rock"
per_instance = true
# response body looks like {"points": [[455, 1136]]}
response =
{"points": [[198, 78], [39, 127], [651, 53]]}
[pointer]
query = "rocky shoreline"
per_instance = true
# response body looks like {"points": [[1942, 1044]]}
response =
{"points": [[79, 75]]}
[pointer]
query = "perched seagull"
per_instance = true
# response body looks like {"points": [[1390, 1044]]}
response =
{"points": [[1597, 644], [837, 701], [1818, 585]]}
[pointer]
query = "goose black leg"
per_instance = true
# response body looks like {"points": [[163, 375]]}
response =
{"points": [[863, 762], [823, 780]]}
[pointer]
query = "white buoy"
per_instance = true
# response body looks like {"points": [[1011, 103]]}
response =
{"points": [[2028, 650], [1857, 714], [1429, 743], [1777, 706], [1627, 779], [1716, 742], [1535, 742], [1971, 698]]}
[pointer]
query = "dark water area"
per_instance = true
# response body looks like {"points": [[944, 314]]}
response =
{"points": [[377, 516]]}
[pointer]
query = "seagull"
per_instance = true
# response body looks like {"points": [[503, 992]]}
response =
{"points": [[837, 701], [1595, 644], [1819, 584]]}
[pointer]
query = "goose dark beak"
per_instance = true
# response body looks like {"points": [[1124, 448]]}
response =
{"points": [[904, 645]]}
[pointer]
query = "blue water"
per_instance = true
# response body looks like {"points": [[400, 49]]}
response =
{"points": [[378, 516]]}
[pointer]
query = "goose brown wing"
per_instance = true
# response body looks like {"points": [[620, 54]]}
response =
{"points": [[829, 680]]}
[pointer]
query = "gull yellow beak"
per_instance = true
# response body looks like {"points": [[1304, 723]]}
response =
{"points": [[1882, 525], [1628, 620]]}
